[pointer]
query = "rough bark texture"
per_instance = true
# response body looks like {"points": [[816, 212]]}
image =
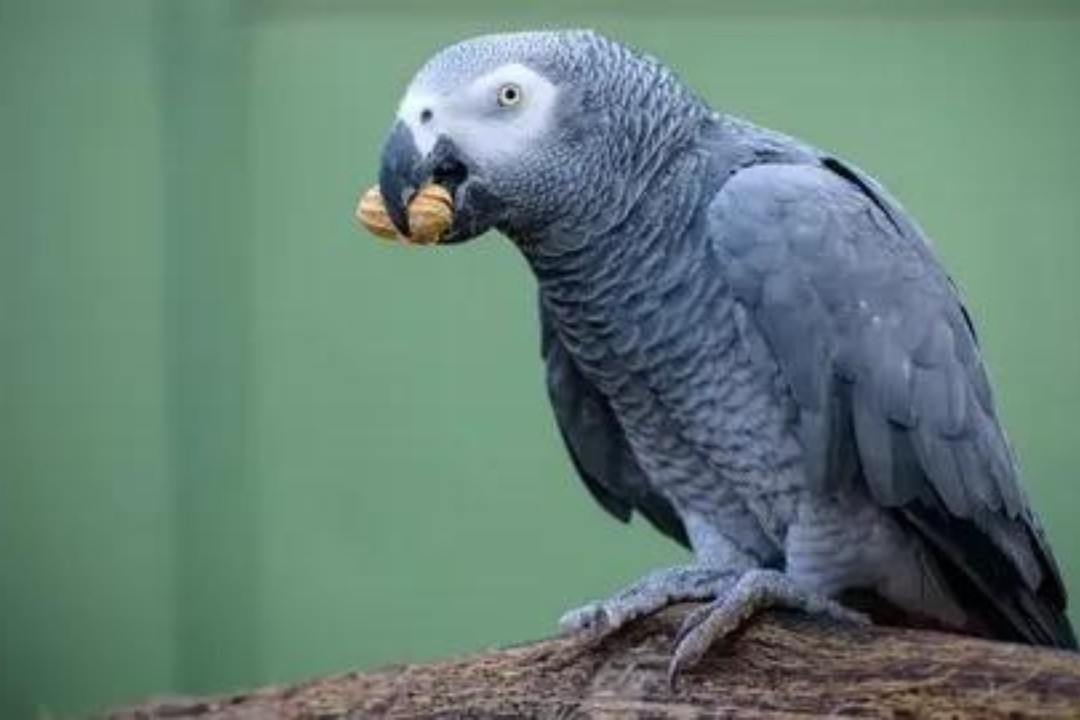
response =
{"points": [[782, 666]]}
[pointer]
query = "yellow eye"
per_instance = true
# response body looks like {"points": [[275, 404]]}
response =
{"points": [[509, 95]]}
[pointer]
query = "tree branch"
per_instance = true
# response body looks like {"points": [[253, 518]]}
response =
{"points": [[783, 664]]}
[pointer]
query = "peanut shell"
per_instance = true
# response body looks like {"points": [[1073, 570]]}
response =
{"points": [[431, 213]]}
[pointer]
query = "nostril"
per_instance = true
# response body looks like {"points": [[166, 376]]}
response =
{"points": [[426, 115]]}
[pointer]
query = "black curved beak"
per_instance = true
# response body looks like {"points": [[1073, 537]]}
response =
{"points": [[404, 171], [401, 174]]}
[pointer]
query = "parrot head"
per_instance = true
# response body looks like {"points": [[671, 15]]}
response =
{"points": [[528, 130]]}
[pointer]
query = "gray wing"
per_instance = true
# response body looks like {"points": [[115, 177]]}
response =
{"points": [[596, 442], [878, 358]]}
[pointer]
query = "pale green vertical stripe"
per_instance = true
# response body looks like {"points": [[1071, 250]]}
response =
{"points": [[86, 563], [206, 263]]}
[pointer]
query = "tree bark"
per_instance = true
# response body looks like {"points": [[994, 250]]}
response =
{"points": [[782, 665]]}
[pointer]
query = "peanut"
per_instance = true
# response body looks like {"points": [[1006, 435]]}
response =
{"points": [[431, 213]]}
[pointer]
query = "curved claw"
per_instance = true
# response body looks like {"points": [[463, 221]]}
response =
{"points": [[756, 590], [693, 618], [702, 629]]}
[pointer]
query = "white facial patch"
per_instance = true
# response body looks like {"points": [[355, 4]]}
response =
{"points": [[472, 117], [424, 133]]}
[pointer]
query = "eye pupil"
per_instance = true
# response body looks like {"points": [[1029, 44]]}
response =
{"points": [[509, 95]]}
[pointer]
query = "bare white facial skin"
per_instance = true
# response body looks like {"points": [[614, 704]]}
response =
{"points": [[492, 120]]}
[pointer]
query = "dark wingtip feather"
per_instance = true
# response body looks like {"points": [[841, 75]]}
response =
{"points": [[999, 603]]}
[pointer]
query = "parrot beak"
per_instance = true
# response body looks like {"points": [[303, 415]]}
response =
{"points": [[404, 171], [401, 175]]}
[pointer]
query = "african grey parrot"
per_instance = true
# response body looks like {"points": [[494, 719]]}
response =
{"points": [[747, 341]]}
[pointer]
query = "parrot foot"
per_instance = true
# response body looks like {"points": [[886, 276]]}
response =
{"points": [[653, 592], [755, 591]]}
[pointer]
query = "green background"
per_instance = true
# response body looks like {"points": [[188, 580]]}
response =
{"points": [[242, 442]]}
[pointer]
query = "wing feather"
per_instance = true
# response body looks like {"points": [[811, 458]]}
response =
{"points": [[862, 321]]}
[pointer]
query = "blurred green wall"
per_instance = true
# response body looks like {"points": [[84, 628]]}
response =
{"points": [[242, 442]]}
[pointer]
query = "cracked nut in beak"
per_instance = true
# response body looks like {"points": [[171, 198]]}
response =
{"points": [[431, 213]]}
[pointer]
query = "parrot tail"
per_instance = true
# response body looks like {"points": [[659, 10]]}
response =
{"points": [[999, 603]]}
